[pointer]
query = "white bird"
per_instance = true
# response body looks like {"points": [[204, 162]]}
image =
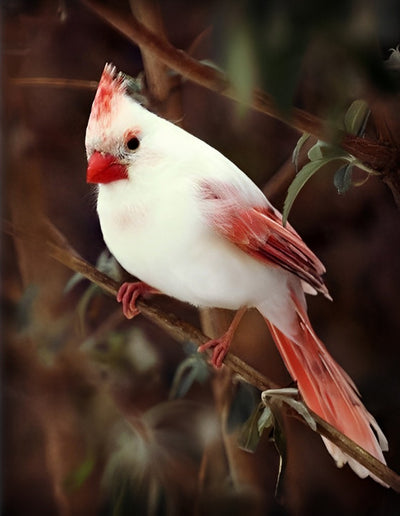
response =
{"points": [[185, 220]]}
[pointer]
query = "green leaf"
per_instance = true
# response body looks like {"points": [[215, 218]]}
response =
{"points": [[356, 117], [84, 303], [105, 263], [250, 436], [77, 477], [300, 180], [183, 381], [343, 178], [279, 439], [244, 401], [74, 280], [301, 141], [315, 153], [290, 396], [322, 150], [241, 64], [190, 370], [266, 420], [108, 264]]}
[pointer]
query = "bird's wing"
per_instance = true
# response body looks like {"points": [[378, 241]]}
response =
{"points": [[258, 231]]}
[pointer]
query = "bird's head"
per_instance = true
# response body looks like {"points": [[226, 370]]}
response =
{"points": [[115, 129]]}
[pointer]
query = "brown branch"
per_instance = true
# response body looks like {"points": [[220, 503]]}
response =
{"points": [[59, 249], [377, 155], [355, 451], [52, 82], [158, 80]]}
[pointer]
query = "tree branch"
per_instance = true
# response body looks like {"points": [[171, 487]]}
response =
{"points": [[147, 12], [375, 154], [59, 248], [52, 82]]}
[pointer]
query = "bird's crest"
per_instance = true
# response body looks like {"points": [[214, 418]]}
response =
{"points": [[112, 84]]}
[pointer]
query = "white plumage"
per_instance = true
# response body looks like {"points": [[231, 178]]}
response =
{"points": [[185, 220]]}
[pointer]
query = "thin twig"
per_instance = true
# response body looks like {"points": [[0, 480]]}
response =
{"points": [[60, 249], [373, 153], [184, 332], [52, 82]]}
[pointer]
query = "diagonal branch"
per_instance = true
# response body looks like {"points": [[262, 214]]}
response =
{"points": [[60, 249], [377, 155]]}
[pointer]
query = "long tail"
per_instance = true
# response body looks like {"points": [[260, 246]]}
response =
{"points": [[329, 392]]}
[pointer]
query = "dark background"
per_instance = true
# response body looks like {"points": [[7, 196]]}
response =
{"points": [[71, 403]]}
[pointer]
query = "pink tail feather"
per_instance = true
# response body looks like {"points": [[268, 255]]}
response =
{"points": [[329, 392]]}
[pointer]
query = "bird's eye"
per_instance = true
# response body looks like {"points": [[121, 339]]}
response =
{"points": [[133, 143]]}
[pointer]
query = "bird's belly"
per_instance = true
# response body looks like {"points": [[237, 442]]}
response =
{"points": [[188, 261]]}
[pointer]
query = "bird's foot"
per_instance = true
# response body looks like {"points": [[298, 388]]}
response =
{"points": [[219, 348], [221, 345], [128, 294]]}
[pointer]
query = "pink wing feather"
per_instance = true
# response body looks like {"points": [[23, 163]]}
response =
{"points": [[259, 232]]}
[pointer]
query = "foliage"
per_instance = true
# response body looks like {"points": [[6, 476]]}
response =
{"points": [[105, 263], [192, 369], [275, 36], [322, 154], [156, 451]]}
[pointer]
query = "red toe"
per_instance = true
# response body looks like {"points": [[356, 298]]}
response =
{"points": [[128, 294]]}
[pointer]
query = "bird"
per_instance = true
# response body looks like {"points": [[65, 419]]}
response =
{"points": [[188, 223]]}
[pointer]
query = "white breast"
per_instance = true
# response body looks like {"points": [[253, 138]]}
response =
{"points": [[164, 241], [154, 226]]}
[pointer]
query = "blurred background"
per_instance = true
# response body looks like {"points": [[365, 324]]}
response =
{"points": [[106, 416]]}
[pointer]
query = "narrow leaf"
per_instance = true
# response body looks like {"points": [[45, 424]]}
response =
{"points": [[275, 397], [356, 117], [243, 403], [192, 369], [322, 150], [182, 386], [301, 141], [315, 153], [74, 280], [249, 436], [266, 420], [108, 264], [303, 411], [299, 181], [84, 303], [343, 178], [279, 439]]}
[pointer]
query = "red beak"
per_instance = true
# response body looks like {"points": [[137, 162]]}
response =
{"points": [[104, 168]]}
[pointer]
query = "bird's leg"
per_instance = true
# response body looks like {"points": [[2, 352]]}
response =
{"points": [[221, 345], [128, 294]]}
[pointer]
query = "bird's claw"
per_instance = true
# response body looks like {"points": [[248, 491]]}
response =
{"points": [[128, 294], [219, 350], [221, 345]]}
